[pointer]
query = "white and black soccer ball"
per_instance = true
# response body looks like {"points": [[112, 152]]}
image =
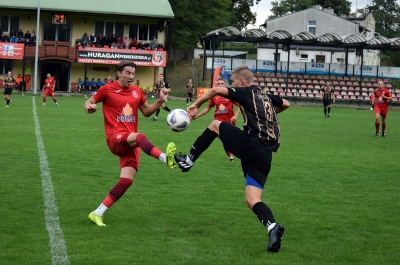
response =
{"points": [[178, 120]]}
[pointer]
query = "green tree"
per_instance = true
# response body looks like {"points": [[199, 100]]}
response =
{"points": [[340, 7], [284, 7], [387, 23], [241, 13], [194, 19]]}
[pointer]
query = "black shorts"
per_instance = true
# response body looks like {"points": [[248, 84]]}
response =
{"points": [[8, 91], [189, 95], [327, 101], [255, 156]]}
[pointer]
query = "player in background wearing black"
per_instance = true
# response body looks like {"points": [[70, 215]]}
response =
{"points": [[327, 97], [161, 84], [253, 145], [189, 92], [9, 81]]}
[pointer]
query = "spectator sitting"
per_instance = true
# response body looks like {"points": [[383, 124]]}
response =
{"points": [[1, 30], [12, 32], [113, 46], [140, 46], [109, 80], [93, 39], [33, 38], [13, 39], [120, 42], [134, 43], [99, 83], [138, 84], [107, 40], [113, 39], [20, 34], [18, 81], [27, 35], [100, 41], [85, 40], [126, 42], [153, 43], [3, 38], [20, 41], [87, 84], [28, 42], [79, 85], [93, 84]]}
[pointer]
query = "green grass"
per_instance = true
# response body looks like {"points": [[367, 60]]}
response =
{"points": [[333, 185]]}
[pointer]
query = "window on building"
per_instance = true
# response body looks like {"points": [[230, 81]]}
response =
{"points": [[340, 60], [277, 57], [103, 27], [312, 27], [5, 66], [9, 22], [56, 32], [303, 56], [320, 58], [133, 30]]}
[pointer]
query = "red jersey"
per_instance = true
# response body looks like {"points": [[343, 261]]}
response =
{"points": [[224, 108], [120, 107], [381, 103], [49, 83]]}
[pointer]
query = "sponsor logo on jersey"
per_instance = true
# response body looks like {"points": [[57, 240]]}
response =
{"points": [[127, 114], [222, 109]]}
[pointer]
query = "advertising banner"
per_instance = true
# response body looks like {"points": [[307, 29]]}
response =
{"points": [[12, 51], [244, 62], [294, 67], [388, 72], [114, 56], [368, 70], [201, 91], [317, 69], [268, 66], [225, 62]]}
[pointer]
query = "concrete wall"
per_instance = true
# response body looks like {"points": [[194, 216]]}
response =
{"points": [[325, 23]]}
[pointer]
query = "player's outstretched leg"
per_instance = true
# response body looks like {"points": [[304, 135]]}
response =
{"points": [[171, 149], [97, 219]]}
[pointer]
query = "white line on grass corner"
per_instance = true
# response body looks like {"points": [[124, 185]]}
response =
{"points": [[57, 243]]}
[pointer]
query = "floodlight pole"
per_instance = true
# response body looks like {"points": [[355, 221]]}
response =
{"points": [[36, 49]]}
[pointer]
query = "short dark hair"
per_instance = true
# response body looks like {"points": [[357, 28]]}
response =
{"points": [[123, 64]]}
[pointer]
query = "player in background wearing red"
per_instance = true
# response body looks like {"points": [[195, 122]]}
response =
{"points": [[121, 103], [49, 89], [382, 96], [223, 111]]}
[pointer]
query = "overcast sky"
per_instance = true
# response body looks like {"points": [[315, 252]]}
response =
{"points": [[264, 7]]}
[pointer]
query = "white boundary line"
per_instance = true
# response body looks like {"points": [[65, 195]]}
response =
{"points": [[57, 243]]}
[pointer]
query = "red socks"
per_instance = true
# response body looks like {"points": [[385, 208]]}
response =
{"points": [[377, 126], [117, 192], [147, 147]]}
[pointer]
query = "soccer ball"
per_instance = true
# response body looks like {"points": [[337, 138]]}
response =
{"points": [[178, 120]]}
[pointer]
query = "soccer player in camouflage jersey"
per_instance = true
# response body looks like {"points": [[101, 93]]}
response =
{"points": [[189, 92], [160, 85], [327, 97], [9, 81]]}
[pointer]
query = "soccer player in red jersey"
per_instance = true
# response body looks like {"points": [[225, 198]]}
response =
{"points": [[121, 103], [49, 89], [382, 96], [223, 111]]}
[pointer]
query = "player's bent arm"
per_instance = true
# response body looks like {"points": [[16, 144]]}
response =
{"points": [[147, 110], [90, 105], [203, 112], [221, 91], [285, 105]]}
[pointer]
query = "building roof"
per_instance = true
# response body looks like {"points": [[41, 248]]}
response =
{"points": [[147, 8], [304, 39]]}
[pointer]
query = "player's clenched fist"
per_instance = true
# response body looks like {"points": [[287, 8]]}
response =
{"points": [[91, 108]]}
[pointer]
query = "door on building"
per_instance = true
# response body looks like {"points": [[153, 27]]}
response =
{"points": [[320, 58], [60, 72]]}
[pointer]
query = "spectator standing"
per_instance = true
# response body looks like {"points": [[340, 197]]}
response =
{"points": [[20, 34], [85, 40], [33, 38], [153, 43]]}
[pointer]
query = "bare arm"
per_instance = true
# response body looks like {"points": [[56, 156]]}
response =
{"points": [[148, 110], [90, 105], [388, 98], [284, 106], [194, 108], [234, 117], [203, 112]]}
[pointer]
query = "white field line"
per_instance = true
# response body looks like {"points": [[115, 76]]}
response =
{"points": [[57, 243]]}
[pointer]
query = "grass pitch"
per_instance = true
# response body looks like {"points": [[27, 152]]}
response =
{"points": [[333, 185]]}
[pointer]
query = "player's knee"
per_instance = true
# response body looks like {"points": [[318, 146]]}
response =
{"points": [[214, 126]]}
